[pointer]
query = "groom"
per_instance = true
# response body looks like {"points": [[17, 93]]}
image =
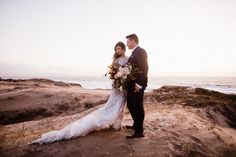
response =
{"points": [[136, 87]]}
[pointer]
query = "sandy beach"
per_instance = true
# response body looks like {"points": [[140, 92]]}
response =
{"points": [[179, 121]]}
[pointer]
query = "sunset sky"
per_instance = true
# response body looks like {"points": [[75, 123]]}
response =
{"points": [[74, 38]]}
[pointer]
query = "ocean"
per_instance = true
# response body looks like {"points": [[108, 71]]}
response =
{"points": [[221, 84]]}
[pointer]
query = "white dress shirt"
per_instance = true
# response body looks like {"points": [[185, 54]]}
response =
{"points": [[135, 48]]}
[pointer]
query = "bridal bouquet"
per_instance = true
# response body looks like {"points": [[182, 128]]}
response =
{"points": [[121, 75], [113, 69]]}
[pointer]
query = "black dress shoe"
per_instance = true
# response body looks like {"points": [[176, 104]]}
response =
{"points": [[135, 136], [129, 127]]}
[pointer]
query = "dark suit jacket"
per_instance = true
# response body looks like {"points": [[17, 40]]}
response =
{"points": [[139, 59]]}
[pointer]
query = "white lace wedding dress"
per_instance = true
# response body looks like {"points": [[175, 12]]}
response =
{"points": [[109, 114]]}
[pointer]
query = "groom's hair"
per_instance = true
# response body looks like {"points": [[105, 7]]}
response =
{"points": [[133, 37]]}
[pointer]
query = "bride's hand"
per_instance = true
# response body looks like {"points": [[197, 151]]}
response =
{"points": [[118, 75]]}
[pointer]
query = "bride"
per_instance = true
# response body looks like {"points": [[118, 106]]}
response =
{"points": [[109, 114]]}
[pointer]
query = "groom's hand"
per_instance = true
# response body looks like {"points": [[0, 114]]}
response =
{"points": [[137, 88]]}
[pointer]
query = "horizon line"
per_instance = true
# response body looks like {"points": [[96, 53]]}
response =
{"points": [[76, 76]]}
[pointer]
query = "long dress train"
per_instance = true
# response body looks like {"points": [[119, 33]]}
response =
{"points": [[109, 114]]}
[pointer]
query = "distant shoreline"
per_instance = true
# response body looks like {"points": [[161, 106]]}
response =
{"points": [[225, 85]]}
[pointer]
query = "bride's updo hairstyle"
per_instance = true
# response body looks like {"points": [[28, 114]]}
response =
{"points": [[122, 45]]}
